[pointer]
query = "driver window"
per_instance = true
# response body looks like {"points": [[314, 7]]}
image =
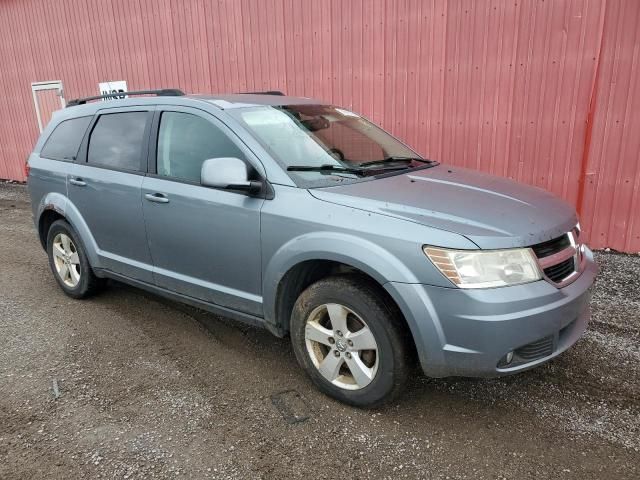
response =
{"points": [[185, 141]]}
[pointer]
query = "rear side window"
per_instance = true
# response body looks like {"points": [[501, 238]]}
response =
{"points": [[64, 141], [185, 141], [117, 140]]}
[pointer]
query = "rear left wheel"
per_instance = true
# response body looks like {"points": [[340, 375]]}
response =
{"points": [[69, 262]]}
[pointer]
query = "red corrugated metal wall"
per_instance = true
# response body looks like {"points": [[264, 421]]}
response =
{"points": [[545, 92], [611, 199]]}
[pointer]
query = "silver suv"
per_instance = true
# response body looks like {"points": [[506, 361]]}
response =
{"points": [[309, 220]]}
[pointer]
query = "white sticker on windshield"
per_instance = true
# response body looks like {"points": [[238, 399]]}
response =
{"points": [[269, 116], [347, 113]]}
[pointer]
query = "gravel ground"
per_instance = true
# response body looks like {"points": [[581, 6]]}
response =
{"points": [[127, 385]]}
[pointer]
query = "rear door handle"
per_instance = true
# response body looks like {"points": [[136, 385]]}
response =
{"points": [[157, 197], [78, 182]]}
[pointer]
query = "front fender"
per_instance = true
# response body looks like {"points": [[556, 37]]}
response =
{"points": [[354, 251], [62, 205]]}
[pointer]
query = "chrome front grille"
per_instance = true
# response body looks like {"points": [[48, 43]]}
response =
{"points": [[558, 272], [550, 247], [560, 258]]}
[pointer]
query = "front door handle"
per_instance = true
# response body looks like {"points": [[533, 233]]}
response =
{"points": [[78, 182], [157, 197]]}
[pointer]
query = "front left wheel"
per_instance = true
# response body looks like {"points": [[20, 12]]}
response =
{"points": [[351, 341], [68, 261]]}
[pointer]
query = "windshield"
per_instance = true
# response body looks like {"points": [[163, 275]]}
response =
{"points": [[321, 145]]}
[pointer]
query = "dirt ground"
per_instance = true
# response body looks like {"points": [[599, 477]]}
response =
{"points": [[145, 388]]}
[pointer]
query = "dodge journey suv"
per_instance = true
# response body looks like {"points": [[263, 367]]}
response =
{"points": [[308, 220]]}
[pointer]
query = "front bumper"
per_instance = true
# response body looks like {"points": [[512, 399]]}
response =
{"points": [[464, 332]]}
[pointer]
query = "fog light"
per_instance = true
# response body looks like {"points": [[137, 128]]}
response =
{"points": [[509, 357]]}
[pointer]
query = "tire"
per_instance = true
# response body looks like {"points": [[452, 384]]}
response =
{"points": [[69, 263], [357, 305]]}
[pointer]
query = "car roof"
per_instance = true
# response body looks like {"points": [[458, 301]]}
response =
{"points": [[242, 100], [221, 101]]}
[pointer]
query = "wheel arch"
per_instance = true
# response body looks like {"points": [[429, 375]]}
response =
{"points": [[46, 219], [307, 259], [56, 206], [304, 274]]}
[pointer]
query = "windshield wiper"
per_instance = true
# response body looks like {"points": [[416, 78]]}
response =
{"points": [[396, 159], [324, 168], [338, 168]]}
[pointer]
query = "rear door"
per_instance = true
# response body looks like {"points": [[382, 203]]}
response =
{"points": [[205, 242], [105, 187]]}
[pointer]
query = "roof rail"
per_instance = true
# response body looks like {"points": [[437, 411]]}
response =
{"points": [[165, 92], [268, 92]]}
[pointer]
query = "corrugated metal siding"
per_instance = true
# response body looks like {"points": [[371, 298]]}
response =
{"points": [[502, 86], [611, 205]]}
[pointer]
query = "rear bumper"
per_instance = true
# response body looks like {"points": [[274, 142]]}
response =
{"points": [[469, 332]]}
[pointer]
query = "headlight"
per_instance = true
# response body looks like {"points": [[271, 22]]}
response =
{"points": [[485, 268]]}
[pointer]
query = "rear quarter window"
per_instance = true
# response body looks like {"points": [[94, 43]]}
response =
{"points": [[64, 141]]}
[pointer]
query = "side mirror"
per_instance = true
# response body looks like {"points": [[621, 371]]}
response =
{"points": [[229, 173]]}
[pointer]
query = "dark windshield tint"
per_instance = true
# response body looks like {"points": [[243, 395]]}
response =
{"points": [[320, 136], [117, 139], [64, 141]]}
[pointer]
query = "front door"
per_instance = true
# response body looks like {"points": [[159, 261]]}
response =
{"points": [[105, 186], [205, 242]]}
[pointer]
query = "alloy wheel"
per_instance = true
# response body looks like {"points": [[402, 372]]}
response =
{"points": [[341, 346], [66, 260]]}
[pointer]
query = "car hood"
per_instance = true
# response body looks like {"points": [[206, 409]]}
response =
{"points": [[492, 212]]}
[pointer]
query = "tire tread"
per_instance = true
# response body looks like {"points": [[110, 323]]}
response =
{"points": [[92, 284], [356, 286]]}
